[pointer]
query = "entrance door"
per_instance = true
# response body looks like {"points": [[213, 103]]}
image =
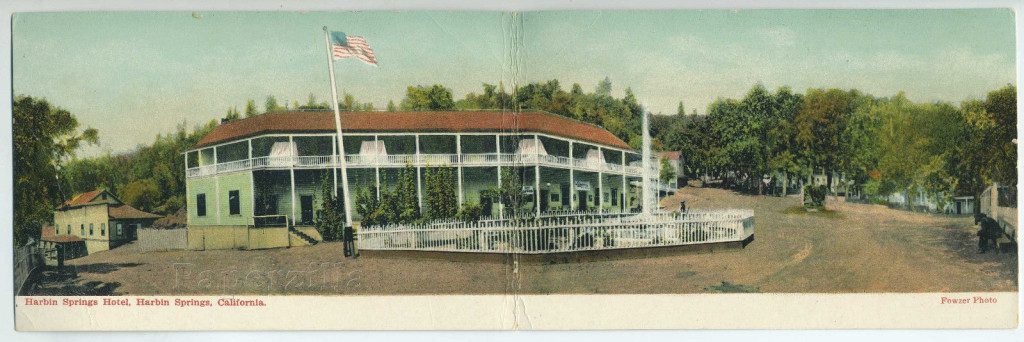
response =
{"points": [[544, 199], [584, 205], [306, 209], [486, 204]]}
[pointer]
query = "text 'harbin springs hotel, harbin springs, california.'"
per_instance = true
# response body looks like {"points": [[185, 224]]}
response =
{"points": [[256, 182]]}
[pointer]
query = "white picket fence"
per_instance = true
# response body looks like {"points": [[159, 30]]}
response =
{"points": [[564, 233]]}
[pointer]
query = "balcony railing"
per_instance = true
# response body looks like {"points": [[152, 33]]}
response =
{"points": [[399, 160], [564, 233]]}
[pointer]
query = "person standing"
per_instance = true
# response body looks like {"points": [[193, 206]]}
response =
{"points": [[988, 232]]}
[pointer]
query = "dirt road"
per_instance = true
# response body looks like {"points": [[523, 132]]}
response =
{"points": [[857, 248]]}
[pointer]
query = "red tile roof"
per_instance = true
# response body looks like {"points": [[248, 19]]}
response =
{"points": [[454, 121], [50, 234], [83, 198], [125, 211]]}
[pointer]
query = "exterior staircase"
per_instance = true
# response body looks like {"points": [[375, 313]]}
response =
{"points": [[299, 238]]}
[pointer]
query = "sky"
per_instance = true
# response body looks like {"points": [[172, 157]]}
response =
{"points": [[133, 75]]}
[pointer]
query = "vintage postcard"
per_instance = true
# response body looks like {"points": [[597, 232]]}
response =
{"points": [[722, 169]]}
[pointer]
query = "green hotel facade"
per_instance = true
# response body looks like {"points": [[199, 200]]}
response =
{"points": [[255, 182]]}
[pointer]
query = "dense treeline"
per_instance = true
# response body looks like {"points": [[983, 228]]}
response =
{"points": [[150, 177], [880, 145]]}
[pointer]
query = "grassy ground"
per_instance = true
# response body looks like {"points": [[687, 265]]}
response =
{"points": [[851, 248]]}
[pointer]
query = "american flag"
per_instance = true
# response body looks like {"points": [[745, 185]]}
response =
{"points": [[344, 46]]}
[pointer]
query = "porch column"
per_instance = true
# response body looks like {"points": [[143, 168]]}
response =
{"points": [[216, 184], [501, 207], [572, 179], [458, 156], [419, 187], [292, 149], [376, 170], [536, 175], [252, 198], [599, 196], [622, 192], [291, 173]]}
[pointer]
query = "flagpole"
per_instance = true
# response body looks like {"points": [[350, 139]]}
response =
{"points": [[337, 127]]}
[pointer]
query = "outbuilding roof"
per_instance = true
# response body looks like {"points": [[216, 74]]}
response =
{"points": [[670, 155], [446, 121], [83, 198], [49, 233]]}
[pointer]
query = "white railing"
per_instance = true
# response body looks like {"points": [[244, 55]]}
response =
{"points": [[564, 233], [399, 160], [233, 166]]}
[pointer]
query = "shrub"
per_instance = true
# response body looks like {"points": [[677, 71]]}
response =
{"points": [[330, 218], [469, 212], [814, 196]]}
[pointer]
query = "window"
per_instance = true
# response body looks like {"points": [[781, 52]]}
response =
{"points": [[201, 205], [555, 197], [103, 229], [233, 203], [69, 229], [90, 229], [82, 233], [120, 229]]}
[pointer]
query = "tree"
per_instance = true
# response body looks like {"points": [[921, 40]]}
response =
{"points": [[330, 217], [785, 156], [143, 194], [666, 172], [312, 104], [680, 110], [270, 105], [44, 138], [408, 207], [348, 102], [232, 114], [1001, 106], [604, 88], [510, 192], [819, 126], [440, 198], [435, 97], [391, 106], [250, 109], [366, 205]]}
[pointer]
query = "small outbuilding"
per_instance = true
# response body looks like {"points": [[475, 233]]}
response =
{"points": [[100, 220], [57, 248]]}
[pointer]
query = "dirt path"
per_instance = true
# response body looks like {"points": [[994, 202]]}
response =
{"points": [[859, 248]]}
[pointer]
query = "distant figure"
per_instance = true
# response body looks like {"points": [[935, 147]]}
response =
{"points": [[682, 206], [348, 239], [989, 231]]}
